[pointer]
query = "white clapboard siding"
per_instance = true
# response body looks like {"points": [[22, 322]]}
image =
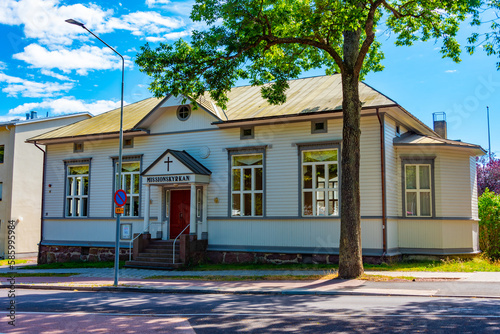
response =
{"points": [[370, 179], [90, 230], [453, 193], [453, 234], [392, 234], [312, 233], [391, 175], [166, 120], [473, 186]]}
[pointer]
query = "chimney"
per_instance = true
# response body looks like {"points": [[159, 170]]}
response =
{"points": [[440, 123], [33, 114], [27, 115]]}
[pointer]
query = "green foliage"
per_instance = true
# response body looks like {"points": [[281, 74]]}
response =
{"points": [[489, 225], [271, 41], [489, 41]]}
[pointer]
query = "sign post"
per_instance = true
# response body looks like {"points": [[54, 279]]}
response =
{"points": [[120, 200]]}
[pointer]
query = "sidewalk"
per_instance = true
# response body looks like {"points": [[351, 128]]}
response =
{"points": [[443, 284]]}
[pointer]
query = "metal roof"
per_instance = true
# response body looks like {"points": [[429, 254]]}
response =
{"points": [[105, 123], [414, 139], [305, 96], [185, 158]]}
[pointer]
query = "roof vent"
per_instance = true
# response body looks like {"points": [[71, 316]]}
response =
{"points": [[27, 115], [33, 114], [440, 124]]}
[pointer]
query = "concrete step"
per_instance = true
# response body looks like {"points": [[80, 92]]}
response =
{"points": [[150, 265], [160, 251], [157, 255], [150, 260], [162, 246]]}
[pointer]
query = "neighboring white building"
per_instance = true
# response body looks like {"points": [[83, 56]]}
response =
{"points": [[21, 170], [259, 182]]}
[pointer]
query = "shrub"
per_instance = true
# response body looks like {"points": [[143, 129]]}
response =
{"points": [[489, 225]]}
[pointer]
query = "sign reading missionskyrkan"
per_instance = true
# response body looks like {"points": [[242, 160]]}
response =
{"points": [[167, 179]]}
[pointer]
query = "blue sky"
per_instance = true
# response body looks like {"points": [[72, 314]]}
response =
{"points": [[52, 67]]}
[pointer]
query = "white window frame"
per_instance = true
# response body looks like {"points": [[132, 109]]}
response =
{"points": [[130, 195], [314, 189], [418, 191], [242, 192], [74, 197]]}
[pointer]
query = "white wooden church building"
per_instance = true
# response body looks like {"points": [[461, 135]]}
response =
{"points": [[258, 182]]}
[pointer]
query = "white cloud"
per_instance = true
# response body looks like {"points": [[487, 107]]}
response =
{"points": [[81, 60], [56, 75], [450, 71], [153, 3], [25, 88], [44, 20], [67, 105], [3, 65], [167, 37], [145, 23]]}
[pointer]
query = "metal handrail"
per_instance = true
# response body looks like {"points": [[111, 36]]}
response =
{"points": [[173, 245], [131, 241]]}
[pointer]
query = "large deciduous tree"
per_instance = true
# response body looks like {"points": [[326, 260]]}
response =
{"points": [[268, 42]]}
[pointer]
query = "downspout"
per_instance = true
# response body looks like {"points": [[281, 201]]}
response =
{"points": [[382, 174], [43, 198]]}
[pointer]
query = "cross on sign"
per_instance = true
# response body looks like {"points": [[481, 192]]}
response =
{"points": [[168, 162]]}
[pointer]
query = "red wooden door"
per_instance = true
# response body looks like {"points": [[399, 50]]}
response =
{"points": [[179, 212]]}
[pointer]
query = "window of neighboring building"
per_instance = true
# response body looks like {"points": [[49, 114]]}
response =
{"points": [[247, 180], [77, 147], [418, 190], [198, 202], [247, 133], [319, 126], [130, 183], [320, 182], [183, 113], [77, 190], [2, 151]]}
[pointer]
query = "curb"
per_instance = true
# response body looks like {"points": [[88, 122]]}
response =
{"points": [[245, 292]]}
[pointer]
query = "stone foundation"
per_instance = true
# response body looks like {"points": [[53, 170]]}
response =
{"points": [[276, 258], [53, 254]]}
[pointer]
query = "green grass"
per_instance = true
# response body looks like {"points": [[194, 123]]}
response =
{"points": [[7, 262], [37, 275], [476, 264], [72, 265], [231, 278]]}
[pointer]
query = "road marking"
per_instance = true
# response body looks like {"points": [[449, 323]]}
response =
{"points": [[304, 314]]}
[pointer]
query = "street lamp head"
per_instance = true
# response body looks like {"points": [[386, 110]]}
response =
{"points": [[76, 23]]}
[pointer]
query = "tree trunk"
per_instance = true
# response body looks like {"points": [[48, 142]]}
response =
{"points": [[350, 258]]}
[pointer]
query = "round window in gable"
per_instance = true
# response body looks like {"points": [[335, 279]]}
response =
{"points": [[183, 113]]}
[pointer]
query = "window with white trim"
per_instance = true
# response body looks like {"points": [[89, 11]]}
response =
{"points": [[198, 203], [130, 183], [320, 182], [77, 190], [247, 179], [418, 190]]}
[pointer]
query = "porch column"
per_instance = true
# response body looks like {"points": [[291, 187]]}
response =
{"points": [[192, 210], [204, 230], [146, 207]]}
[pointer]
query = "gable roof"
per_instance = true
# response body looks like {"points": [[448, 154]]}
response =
{"points": [[106, 123], [185, 158], [308, 95], [305, 96], [415, 139]]}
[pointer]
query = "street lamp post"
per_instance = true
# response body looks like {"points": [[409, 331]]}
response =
{"points": [[118, 181], [489, 142]]}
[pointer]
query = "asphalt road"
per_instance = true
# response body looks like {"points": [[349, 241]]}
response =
{"points": [[45, 311]]}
